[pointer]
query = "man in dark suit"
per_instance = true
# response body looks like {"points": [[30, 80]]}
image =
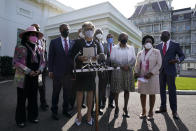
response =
{"points": [[107, 50], [169, 50], [60, 70]]}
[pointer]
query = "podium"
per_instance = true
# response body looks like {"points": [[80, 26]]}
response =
{"points": [[96, 69]]}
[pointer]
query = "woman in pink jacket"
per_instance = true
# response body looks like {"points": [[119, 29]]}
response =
{"points": [[29, 63]]}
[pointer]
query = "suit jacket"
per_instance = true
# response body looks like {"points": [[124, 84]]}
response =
{"points": [[173, 50], [58, 62], [155, 62]]}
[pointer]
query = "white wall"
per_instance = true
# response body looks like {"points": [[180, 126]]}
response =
{"points": [[16, 14]]}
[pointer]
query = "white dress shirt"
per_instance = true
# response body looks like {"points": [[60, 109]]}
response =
{"points": [[63, 42], [166, 44]]}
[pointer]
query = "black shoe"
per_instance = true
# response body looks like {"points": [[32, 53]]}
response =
{"points": [[34, 121], [111, 106], [67, 114], [102, 106], [116, 112], [125, 113], [44, 107], [55, 116], [175, 116], [100, 112], [20, 124], [83, 106], [160, 110]]}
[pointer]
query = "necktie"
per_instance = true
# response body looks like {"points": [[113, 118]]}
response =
{"points": [[66, 47], [164, 48]]}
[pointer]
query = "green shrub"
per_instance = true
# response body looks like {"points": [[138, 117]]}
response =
{"points": [[6, 67]]}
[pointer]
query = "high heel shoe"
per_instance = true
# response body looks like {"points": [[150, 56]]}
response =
{"points": [[125, 113], [142, 116], [78, 123], [90, 122], [150, 117]]}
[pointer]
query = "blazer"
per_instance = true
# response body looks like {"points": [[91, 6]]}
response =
{"points": [[155, 62], [173, 50], [20, 64], [58, 62]]}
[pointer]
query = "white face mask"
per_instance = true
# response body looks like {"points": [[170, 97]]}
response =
{"points": [[99, 36], [89, 33], [81, 35], [148, 45]]}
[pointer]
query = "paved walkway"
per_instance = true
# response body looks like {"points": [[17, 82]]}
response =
{"points": [[162, 122]]}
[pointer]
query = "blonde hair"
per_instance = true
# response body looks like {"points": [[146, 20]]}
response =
{"points": [[86, 24]]}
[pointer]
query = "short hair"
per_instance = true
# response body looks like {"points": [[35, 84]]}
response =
{"points": [[165, 31], [146, 37], [86, 24], [109, 35], [121, 35], [97, 31], [63, 25]]}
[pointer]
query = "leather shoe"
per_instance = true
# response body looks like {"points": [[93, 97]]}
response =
{"points": [[67, 114], [20, 124], [55, 116], [83, 106], [175, 115], [111, 106], [100, 112], [160, 110]]}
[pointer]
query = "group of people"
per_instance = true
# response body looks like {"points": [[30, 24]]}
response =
{"points": [[153, 67]]}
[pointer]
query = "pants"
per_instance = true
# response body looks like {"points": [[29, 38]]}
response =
{"points": [[170, 81], [66, 84], [102, 88], [111, 97], [29, 92], [42, 90]]}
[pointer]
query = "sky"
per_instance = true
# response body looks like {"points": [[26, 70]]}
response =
{"points": [[126, 7]]}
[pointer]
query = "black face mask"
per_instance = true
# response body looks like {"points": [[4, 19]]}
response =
{"points": [[123, 41], [65, 33], [164, 38]]}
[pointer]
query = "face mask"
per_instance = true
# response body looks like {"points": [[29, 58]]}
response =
{"points": [[110, 40], [33, 39], [81, 35], [123, 41], [99, 36], [89, 33], [148, 45], [164, 38], [65, 33]]}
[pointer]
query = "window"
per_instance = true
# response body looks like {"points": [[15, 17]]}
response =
{"points": [[180, 17], [156, 28], [18, 38]]}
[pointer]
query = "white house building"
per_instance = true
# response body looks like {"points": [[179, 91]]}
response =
{"points": [[17, 15]]}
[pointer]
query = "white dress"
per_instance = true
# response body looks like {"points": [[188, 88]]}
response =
{"points": [[122, 80]]}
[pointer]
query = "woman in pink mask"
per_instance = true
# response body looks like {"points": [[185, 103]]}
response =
{"points": [[29, 63]]}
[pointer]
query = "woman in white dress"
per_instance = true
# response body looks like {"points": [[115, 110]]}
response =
{"points": [[122, 55], [147, 68]]}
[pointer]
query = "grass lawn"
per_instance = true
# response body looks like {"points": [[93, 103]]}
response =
{"points": [[185, 83]]}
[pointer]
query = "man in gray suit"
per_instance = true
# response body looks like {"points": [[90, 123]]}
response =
{"points": [[60, 70]]}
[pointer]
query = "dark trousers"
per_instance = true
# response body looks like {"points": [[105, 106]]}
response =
{"points": [[170, 81], [102, 88], [111, 97], [42, 90], [66, 84], [29, 92]]}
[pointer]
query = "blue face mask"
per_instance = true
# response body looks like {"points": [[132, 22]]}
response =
{"points": [[110, 40]]}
